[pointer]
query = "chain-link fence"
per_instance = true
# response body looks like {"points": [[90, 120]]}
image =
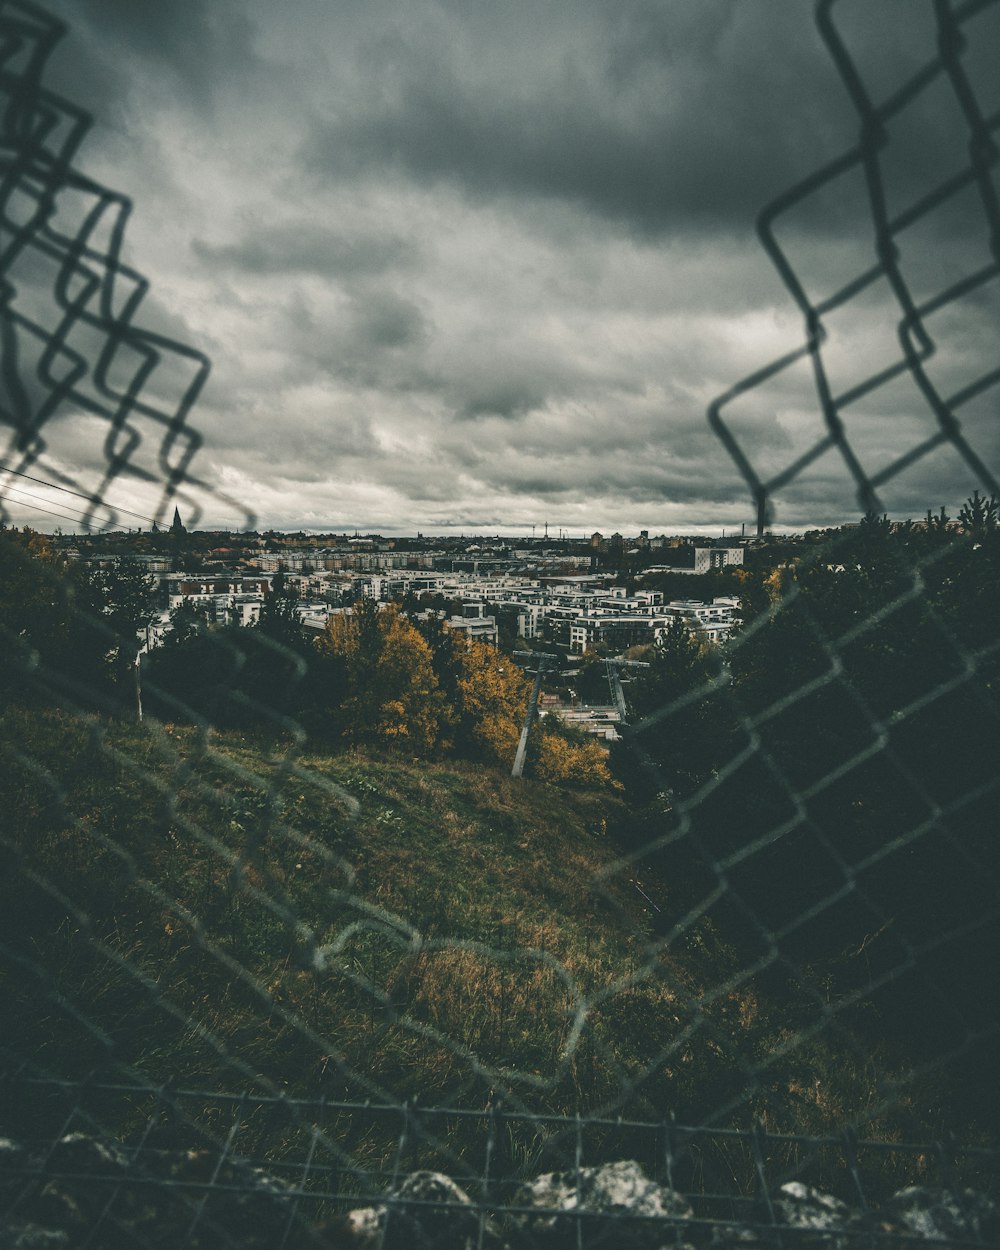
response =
{"points": [[255, 992], [896, 248], [73, 342]]}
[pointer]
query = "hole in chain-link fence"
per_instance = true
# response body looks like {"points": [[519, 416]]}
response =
{"points": [[258, 991]]}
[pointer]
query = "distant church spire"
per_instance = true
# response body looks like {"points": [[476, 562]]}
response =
{"points": [[176, 526]]}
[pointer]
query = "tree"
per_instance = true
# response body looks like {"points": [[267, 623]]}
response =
{"points": [[978, 515], [187, 621], [567, 756], [865, 705], [493, 697], [506, 618], [36, 612], [69, 631], [392, 693], [123, 606], [195, 670], [445, 649], [591, 683], [678, 663], [279, 616]]}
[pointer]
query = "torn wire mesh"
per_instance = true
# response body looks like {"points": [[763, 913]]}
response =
{"points": [[226, 1031], [72, 344]]}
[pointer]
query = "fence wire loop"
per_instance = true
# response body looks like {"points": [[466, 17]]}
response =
{"points": [[754, 1014]]}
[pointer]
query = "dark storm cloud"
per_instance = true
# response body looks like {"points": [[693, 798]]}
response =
{"points": [[662, 115], [83, 72], [385, 320], [526, 377], [371, 337], [507, 397], [584, 462], [197, 42], [589, 438], [484, 255], [624, 475], [617, 129], [302, 451]]}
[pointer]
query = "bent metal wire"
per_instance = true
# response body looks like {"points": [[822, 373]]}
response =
{"points": [[202, 1144], [956, 24], [71, 341]]}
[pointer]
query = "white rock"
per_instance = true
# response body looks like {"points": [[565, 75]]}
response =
{"points": [[940, 1214], [616, 1190]]}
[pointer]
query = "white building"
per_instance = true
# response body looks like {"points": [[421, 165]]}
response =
{"points": [[479, 628], [708, 558]]}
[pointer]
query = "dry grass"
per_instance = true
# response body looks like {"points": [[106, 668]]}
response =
{"points": [[223, 913]]}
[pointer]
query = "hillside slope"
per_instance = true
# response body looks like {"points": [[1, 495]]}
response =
{"points": [[230, 914]]}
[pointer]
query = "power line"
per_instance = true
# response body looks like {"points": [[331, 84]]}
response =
{"points": [[78, 494], [19, 490], [63, 516]]}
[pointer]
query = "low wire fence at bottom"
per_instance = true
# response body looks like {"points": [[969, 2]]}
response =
{"points": [[190, 1167]]}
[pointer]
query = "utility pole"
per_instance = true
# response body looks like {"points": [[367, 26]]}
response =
{"points": [[543, 658], [615, 682], [137, 677]]}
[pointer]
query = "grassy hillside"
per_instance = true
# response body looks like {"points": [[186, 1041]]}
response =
{"points": [[229, 913]]}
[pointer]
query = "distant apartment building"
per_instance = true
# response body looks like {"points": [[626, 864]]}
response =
{"points": [[477, 628], [617, 629], [712, 621], [706, 559], [579, 612], [201, 587]]}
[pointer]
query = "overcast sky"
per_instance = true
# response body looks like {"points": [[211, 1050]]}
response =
{"points": [[473, 265]]}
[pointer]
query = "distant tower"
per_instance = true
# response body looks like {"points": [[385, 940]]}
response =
{"points": [[176, 525]]}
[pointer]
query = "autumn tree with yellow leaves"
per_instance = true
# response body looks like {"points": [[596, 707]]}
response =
{"points": [[424, 688], [492, 700], [393, 695], [568, 756]]}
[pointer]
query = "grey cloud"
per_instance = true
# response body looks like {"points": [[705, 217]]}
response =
{"points": [[592, 462], [307, 449], [386, 320], [664, 116], [463, 254], [652, 131], [373, 338], [58, 350], [828, 494], [626, 477], [522, 388], [655, 432], [506, 397], [156, 316], [305, 247], [196, 41], [87, 76]]}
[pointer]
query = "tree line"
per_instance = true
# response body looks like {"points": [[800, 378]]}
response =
{"points": [[822, 792], [825, 788], [375, 677], [68, 632]]}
